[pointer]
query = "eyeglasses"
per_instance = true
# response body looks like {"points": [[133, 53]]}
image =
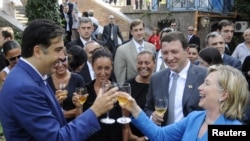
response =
{"points": [[173, 25], [14, 58], [190, 30]]}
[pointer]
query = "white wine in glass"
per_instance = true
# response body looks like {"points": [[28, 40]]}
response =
{"points": [[125, 87], [82, 94], [107, 86], [161, 105]]}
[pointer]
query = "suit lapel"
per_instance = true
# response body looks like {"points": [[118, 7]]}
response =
{"points": [[52, 102], [133, 49], [189, 85]]}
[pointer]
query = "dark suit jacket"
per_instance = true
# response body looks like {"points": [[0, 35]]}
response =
{"points": [[85, 73], [64, 21], [29, 110], [231, 61], [159, 87], [79, 42], [194, 40], [107, 33], [70, 7]]}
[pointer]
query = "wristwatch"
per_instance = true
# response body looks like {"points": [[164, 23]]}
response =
{"points": [[146, 138]]}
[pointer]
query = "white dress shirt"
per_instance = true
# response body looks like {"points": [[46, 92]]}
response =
{"points": [[179, 91]]}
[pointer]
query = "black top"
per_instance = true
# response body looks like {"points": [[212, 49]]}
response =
{"points": [[108, 132], [138, 92], [75, 81]]}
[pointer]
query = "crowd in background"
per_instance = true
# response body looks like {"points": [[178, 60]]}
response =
{"points": [[154, 67]]}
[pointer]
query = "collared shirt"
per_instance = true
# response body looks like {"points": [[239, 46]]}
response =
{"points": [[159, 61], [180, 91], [137, 45], [91, 71], [84, 41], [44, 78], [241, 52]]}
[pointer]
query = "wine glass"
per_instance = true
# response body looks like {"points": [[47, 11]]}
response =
{"points": [[107, 86], [63, 92], [82, 94], [125, 87], [161, 105]]}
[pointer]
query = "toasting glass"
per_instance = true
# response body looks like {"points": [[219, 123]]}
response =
{"points": [[125, 87], [107, 86]]}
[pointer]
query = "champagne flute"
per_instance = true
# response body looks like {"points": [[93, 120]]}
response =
{"points": [[125, 87], [82, 94], [161, 105], [107, 86], [63, 93]]}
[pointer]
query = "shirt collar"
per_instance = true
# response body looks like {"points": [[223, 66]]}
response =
{"points": [[183, 72]]}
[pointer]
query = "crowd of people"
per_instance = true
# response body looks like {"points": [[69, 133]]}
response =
{"points": [[203, 85]]}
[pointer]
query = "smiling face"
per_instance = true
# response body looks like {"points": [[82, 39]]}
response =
{"points": [[50, 57], [145, 65], [210, 92], [102, 67], [174, 55]]}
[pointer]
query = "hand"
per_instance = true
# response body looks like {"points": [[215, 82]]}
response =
{"points": [[75, 100], [104, 102], [131, 105], [60, 96], [157, 118]]}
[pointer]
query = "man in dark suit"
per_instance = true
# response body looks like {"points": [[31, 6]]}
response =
{"points": [[87, 71], [69, 4], [192, 39], [226, 29], [85, 29], [110, 35], [29, 109], [186, 97], [214, 39], [67, 19]]}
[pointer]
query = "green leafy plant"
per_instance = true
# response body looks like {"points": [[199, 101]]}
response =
{"points": [[43, 9]]}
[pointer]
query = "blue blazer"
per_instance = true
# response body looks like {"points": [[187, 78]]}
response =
{"points": [[29, 110], [184, 130], [159, 87], [231, 61]]}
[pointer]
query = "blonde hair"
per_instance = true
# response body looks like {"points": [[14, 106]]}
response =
{"points": [[235, 85]]}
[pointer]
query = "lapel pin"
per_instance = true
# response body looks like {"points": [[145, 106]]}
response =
{"points": [[190, 86]]}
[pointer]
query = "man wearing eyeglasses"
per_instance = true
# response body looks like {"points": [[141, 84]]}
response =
{"points": [[174, 26], [192, 39]]}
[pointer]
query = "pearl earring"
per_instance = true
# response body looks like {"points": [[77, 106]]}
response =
{"points": [[220, 100]]}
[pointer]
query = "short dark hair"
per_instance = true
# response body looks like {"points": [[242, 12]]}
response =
{"points": [[77, 58], [194, 46], [8, 45], [136, 22], [175, 36], [224, 23], [101, 52], [211, 55], [39, 32]]}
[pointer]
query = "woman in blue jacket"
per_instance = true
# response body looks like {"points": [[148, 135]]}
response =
{"points": [[223, 95]]}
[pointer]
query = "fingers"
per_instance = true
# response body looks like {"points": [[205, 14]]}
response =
{"points": [[157, 119]]}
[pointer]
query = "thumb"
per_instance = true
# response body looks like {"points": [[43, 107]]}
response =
{"points": [[100, 93]]}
